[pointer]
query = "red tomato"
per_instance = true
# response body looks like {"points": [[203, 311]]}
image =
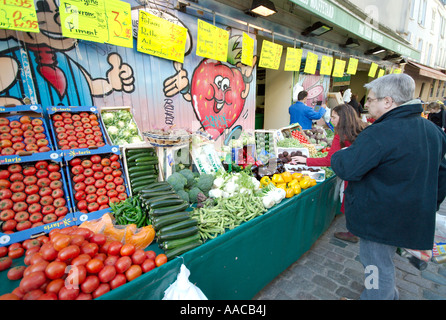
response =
{"points": [[55, 176], [118, 181], [48, 296], [36, 217], [100, 183], [78, 169], [48, 251], [5, 184], [30, 180], [18, 197], [76, 275], [81, 259], [68, 293], [43, 173], [107, 273], [114, 157], [55, 269], [148, 265], [61, 211], [78, 178], [7, 214], [15, 168], [32, 189], [33, 199], [96, 159], [90, 181], [29, 171], [107, 170], [16, 253], [99, 175], [16, 272], [138, 256], [160, 259], [94, 206], [61, 241], [57, 193], [86, 163], [21, 215], [32, 281], [114, 248], [123, 263], [54, 286], [52, 167], [116, 173], [88, 172], [94, 265], [4, 174], [5, 194], [6, 204], [103, 288], [127, 249], [133, 272], [23, 225], [98, 239], [103, 199], [41, 165], [33, 295], [9, 225], [91, 249], [69, 253], [82, 205], [97, 167], [56, 184], [43, 182], [117, 281], [90, 284]]}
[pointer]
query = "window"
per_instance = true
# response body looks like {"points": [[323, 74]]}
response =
{"points": [[438, 89], [420, 45], [422, 11], [412, 9], [434, 13], [442, 26], [429, 55], [432, 87], [444, 89], [421, 90]]}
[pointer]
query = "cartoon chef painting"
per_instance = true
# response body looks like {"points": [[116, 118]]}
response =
{"points": [[37, 67]]}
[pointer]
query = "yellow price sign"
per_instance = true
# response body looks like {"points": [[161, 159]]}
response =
{"points": [[18, 15], [161, 38], [311, 63], [326, 65], [270, 55], [380, 73], [293, 59], [212, 42], [373, 68], [352, 66], [84, 20], [339, 67], [119, 22], [247, 49], [397, 71]]}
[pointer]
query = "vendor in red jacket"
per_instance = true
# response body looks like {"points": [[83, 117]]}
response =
{"points": [[347, 126]]}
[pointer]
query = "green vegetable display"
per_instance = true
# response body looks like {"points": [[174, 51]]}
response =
{"points": [[142, 164], [189, 185], [129, 211]]}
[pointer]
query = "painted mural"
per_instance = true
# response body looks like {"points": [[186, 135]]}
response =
{"points": [[317, 87], [50, 69]]}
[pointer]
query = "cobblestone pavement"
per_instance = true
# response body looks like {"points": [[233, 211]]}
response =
{"points": [[331, 269]]}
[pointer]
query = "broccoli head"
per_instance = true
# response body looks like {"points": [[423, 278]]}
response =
{"points": [[183, 195], [193, 193], [177, 181], [190, 177], [205, 182]]}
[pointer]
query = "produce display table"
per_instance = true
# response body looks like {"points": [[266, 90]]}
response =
{"points": [[238, 264]]}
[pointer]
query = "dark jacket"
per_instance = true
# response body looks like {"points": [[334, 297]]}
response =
{"points": [[396, 173], [357, 106]]}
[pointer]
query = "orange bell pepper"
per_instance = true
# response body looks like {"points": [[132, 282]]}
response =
{"points": [[287, 177]]}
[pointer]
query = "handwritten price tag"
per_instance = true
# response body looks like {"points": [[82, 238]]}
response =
{"points": [[397, 71], [326, 65], [119, 21], [247, 49], [18, 15], [293, 59], [373, 68], [270, 55], [380, 73], [311, 63], [352, 66], [212, 42], [161, 38], [339, 67], [84, 20]]}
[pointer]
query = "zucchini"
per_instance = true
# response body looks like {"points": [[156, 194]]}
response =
{"points": [[149, 189], [147, 163], [178, 225], [167, 196], [165, 203], [137, 174], [140, 183], [131, 152], [146, 158], [182, 249], [159, 222], [140, 155], [140, 178], [139, 169], [178, 234], [171, 244], [155, 194], [158, 184], [170, 209]]}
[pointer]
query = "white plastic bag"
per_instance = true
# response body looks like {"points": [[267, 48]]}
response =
{"points": [[296, 89], [183, 289]]}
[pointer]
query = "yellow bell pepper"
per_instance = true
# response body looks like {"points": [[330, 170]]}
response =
{"points": [[287, 176], [297, 176], [281, 185], [277, 178], [296, 188], [289, 192], [304, 183], [313, 182], [264, 181]]}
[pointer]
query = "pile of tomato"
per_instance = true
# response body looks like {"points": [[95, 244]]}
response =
{"points": [[25, 134], [299, 136], [73, 263], [98, 180], [31, 194], [77, 130]]}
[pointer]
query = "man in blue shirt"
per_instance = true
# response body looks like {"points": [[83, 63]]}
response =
{"points": [[303, 114]]}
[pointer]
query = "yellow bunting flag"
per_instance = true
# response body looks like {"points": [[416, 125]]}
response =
{"points": [[18, 15], [84, 20], [311, 63], [293, 59], [270, 55], [352, 66], [373, 68], [326, 65], [161, 38], [212, 42], [339, 67], [247, 49], [119, 20]]}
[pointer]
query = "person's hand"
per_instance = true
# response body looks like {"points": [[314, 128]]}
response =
{"points": [[299, 160]]}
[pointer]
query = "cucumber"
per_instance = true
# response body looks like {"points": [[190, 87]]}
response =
{"points": [[159, 222], [170, 209], [171, 244], [165, 203], [178, 225], [182, 249], [178, 234]]}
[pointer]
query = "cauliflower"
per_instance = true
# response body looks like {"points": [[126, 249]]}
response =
{"points": [[108, 117], [112, 130]]}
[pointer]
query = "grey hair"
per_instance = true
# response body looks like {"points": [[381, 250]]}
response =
{"points": [[400, 87]]}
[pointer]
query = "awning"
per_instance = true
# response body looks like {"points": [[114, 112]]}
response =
{"points": [[429, 72]]}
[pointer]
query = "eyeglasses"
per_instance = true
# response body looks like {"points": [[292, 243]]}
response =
{"points": [[370, 100]]}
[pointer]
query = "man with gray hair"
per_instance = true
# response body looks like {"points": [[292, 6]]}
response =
{"points": [[396, 173]]}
